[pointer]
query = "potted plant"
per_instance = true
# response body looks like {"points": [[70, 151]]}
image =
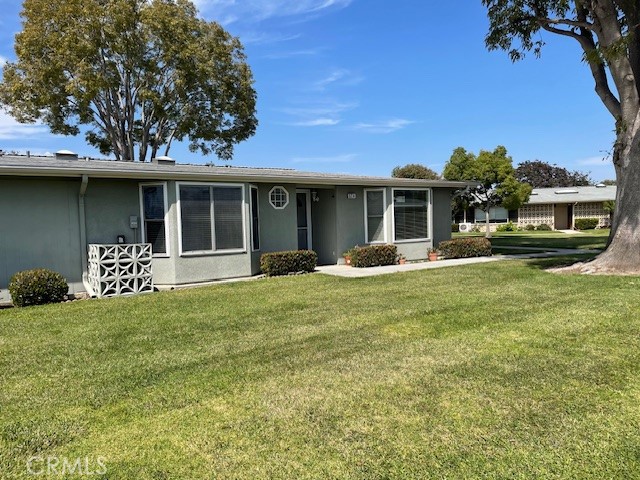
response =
{"points": [[402, 259], [433, 254], [347, 256]]}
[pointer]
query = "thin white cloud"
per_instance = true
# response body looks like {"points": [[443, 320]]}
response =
{"points": [[317, 122], [344, 158], [10, 129], [317, 115], [388, 126], [258, 10], [261, 38], [292, 53], [3, 61], [339, 76]]}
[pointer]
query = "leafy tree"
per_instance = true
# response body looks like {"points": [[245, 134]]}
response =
{"points": [[608, 32], [496, 186], [540, 174], [608, 182], [415, 170], [139, 74]]}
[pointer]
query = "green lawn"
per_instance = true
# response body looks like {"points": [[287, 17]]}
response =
{"points": [[590, 239], [497, 370]]}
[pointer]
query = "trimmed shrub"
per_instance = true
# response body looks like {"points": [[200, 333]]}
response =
{"points": [[374, 255], [37, 287], [284, 263], [465, 247], [543, 227], [530, 228], [586, 223], [507, 227], [455, 228]]}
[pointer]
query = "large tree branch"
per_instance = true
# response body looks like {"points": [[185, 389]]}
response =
{"points": [[598, 71]]}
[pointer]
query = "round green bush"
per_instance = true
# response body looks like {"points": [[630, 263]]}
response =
{"points": [[543, 227], [37, 287]]}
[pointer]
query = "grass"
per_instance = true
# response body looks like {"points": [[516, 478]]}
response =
{"points": [[589, 239], [497, 370]]}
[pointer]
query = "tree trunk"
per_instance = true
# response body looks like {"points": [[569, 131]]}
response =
{"points": [[622, 255], [486, 220]]}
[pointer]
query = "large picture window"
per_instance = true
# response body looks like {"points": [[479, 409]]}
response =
{"points": [[154, 207], [211, 218], [410, 214], [374, 214]]}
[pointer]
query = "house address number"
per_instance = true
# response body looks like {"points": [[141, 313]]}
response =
{"points": [[351, 195]]}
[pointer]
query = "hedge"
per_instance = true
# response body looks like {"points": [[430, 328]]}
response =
{"points": [[284, 263], [37, 287], [465, 247], [455, 228], [586, 223], [373, 255]]}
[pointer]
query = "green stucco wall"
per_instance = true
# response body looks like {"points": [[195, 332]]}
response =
{"points": [[39, 228]]}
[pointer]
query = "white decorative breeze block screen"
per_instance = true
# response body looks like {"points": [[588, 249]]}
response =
{"points": [[120, 269], [535, 215], [592, 210]]}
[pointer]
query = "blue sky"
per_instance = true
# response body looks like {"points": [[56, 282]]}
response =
{"points": [[360, 86]]}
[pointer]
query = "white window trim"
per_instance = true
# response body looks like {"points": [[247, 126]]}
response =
{"points": [[285, 203], [141, 226], [199, 253], [429, 215], [251, 188], [384, 216]]}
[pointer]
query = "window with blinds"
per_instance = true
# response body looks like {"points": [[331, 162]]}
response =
{"points": [[411, 214], [153, 214], [374, 212], [211, 218]]}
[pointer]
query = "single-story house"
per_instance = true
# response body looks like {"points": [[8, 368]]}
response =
{"points": [[202, 222], [557, 207]]}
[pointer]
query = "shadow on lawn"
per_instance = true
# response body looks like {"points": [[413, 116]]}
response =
{"points": [[557, 262]]}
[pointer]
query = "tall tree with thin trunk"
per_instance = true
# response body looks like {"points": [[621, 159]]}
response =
{"points": [[492, 181], [608, 31], [138, 75]]}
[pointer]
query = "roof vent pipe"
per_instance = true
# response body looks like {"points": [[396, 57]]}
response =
{"points": [[66, 155]]}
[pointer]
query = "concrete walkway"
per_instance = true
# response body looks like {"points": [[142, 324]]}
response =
{"points": [[352, 272]]}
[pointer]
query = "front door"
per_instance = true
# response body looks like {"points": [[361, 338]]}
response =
{"points": [[303, 203]]}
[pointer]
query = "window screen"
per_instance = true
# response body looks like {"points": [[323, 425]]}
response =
{"points": [[411, 214], [375, 216], [227, 212], [195, 211], [211, 218], [153, 212]]}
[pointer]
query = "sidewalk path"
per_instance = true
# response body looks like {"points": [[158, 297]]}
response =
{"points": [[352, 272]]}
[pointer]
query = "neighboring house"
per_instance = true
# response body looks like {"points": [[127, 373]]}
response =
{"points": [[557, 207], [204, 222]]}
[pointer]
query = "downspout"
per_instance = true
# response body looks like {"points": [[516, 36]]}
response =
{"points": [[83, 235]]}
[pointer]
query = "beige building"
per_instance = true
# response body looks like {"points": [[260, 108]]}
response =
{"points": [[557, 207]]}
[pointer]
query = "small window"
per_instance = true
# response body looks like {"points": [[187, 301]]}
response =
{"points": [[153, 215], [279, 197], [374, 213], [255, 220]]}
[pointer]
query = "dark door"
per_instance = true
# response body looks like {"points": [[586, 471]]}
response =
{"points": [[304, 220]]}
